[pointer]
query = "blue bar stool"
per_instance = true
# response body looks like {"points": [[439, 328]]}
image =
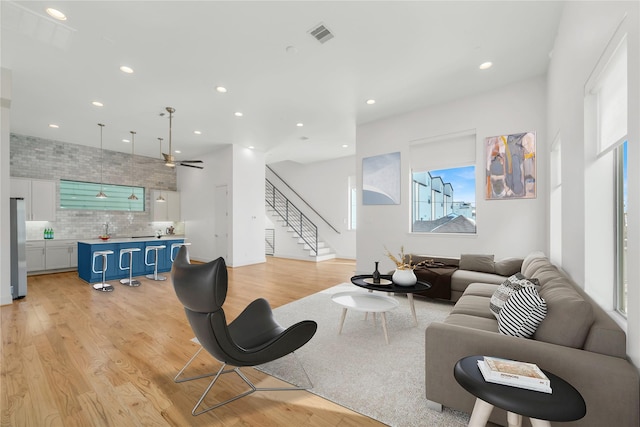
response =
{"points": [[103, 287], [155, 275], [130, 281], [176, 246]]}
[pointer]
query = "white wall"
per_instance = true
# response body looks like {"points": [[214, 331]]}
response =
{"points": [[247, 194], [325, 186], [504, 227], [585, 30], [197, 201], [242, 171], [5, 250]]}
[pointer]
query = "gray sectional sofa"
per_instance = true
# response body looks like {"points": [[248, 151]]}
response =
{"points": [[577, 341]]}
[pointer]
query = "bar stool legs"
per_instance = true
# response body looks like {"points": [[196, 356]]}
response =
{"points": [[103, 286], [176, 246], [155, 275], [130, 281]]}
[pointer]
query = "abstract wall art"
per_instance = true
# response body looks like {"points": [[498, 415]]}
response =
{"points": [[381, 179], [511, 166]]}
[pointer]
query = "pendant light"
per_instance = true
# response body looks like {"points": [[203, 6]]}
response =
{"points": [[133, 195], [160, 198], [169, 161], [101, 194]]}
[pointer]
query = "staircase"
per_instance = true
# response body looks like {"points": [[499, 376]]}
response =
{"points": [[297, 224]]}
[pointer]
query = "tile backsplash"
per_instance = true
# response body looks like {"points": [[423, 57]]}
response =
{"points": [[38, 158]]}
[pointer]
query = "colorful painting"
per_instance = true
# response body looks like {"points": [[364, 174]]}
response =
{"points": [[381, 179], [511, 166]]}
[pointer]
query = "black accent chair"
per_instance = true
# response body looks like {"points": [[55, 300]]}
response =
{"points": [[253, 338]]}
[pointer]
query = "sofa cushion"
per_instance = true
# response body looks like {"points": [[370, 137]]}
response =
{"points": [[530, 269], [569, 315], [474, 322], [461, 279], [481, 289], [510, 286], [522, 313], [473, 305], [475, 262], [508, 266], [527, 260]]}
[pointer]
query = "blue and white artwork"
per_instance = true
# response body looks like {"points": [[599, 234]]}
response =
{"points": [[381, 179]]}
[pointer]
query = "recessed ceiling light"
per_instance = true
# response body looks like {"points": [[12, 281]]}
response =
{"points": [[299, 124], [251, 147], [197, 132], [221, 89], [125, 140], [238, 114], [485, 65], [126, 69], [177, 151], [371, 101], [344, 146], [53, 125], [55, 13], [98, 104]]}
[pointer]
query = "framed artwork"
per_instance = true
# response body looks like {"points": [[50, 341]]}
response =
{"points": [[381, 179], [511, 166]]}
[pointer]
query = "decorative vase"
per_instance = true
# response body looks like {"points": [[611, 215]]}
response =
{"points": [[404, 277], [376, 274]]}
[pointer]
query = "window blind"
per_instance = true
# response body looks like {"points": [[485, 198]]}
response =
{"points": [[443, 152]]}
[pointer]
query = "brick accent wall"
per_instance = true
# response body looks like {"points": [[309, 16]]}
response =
{"points": [[33, 157]]}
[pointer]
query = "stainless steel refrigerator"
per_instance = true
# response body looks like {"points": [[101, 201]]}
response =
{"points": [[18, 227]]}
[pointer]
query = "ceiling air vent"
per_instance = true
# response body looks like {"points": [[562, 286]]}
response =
{"points": [[321, 33]]}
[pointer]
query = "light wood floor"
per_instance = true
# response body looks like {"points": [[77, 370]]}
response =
{"points": [[72, 356]]}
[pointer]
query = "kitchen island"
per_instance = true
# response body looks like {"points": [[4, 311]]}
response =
{"points": [[86, 248]]}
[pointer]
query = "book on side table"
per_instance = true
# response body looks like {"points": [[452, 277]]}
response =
{"points": [[514, 373]]}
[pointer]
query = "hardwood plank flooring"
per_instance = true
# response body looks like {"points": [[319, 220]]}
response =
{"points": [[72, 356]]}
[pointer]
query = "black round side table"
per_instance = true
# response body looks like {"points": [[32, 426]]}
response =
{"points": [[564, 404]]}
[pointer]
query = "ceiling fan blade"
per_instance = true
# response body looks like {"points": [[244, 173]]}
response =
{"points": [[191, 161], [191, 166]]}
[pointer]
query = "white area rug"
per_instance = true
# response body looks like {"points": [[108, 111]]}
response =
{"points": [[357, 369]]}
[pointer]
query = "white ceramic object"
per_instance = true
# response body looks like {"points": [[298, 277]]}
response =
{"points": [[404, 277]]}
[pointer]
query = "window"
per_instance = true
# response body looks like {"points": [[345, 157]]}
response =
{"points": [[82, 195], [606, 135], [353, 202], [443, 184], [621, 228], [444, 201]]}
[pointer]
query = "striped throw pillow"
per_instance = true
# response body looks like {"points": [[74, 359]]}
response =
{"points": [[506, 289], [522, 313]]}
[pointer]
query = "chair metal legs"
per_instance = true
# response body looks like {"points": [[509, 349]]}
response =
{"points": [[221, 371]]}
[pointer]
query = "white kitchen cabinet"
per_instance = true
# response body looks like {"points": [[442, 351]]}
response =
{"points": [[39, 196], [61, 254], [35, 252], [169, 210]]}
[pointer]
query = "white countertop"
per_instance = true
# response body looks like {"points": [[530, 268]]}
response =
{"points": [[131, 239]]}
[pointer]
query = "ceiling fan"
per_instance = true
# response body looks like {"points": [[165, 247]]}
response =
{"points": [[169, 159]]}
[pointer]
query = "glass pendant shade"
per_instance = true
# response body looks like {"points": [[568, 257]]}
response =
{"points": [[101, 194]]}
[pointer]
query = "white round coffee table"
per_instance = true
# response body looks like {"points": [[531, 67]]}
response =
{"points": [[367, 302]]}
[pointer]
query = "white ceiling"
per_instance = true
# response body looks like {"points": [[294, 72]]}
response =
{"points": [[405, 55]]}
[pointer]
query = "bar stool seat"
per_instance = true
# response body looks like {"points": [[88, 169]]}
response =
{"points": [[175, 246], [155, 275], [130, 281], [102, 286]]}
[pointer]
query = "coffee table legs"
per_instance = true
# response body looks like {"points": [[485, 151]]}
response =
{"points": [[482, 412], [384, 323], [413, 308], [344, 314]]}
